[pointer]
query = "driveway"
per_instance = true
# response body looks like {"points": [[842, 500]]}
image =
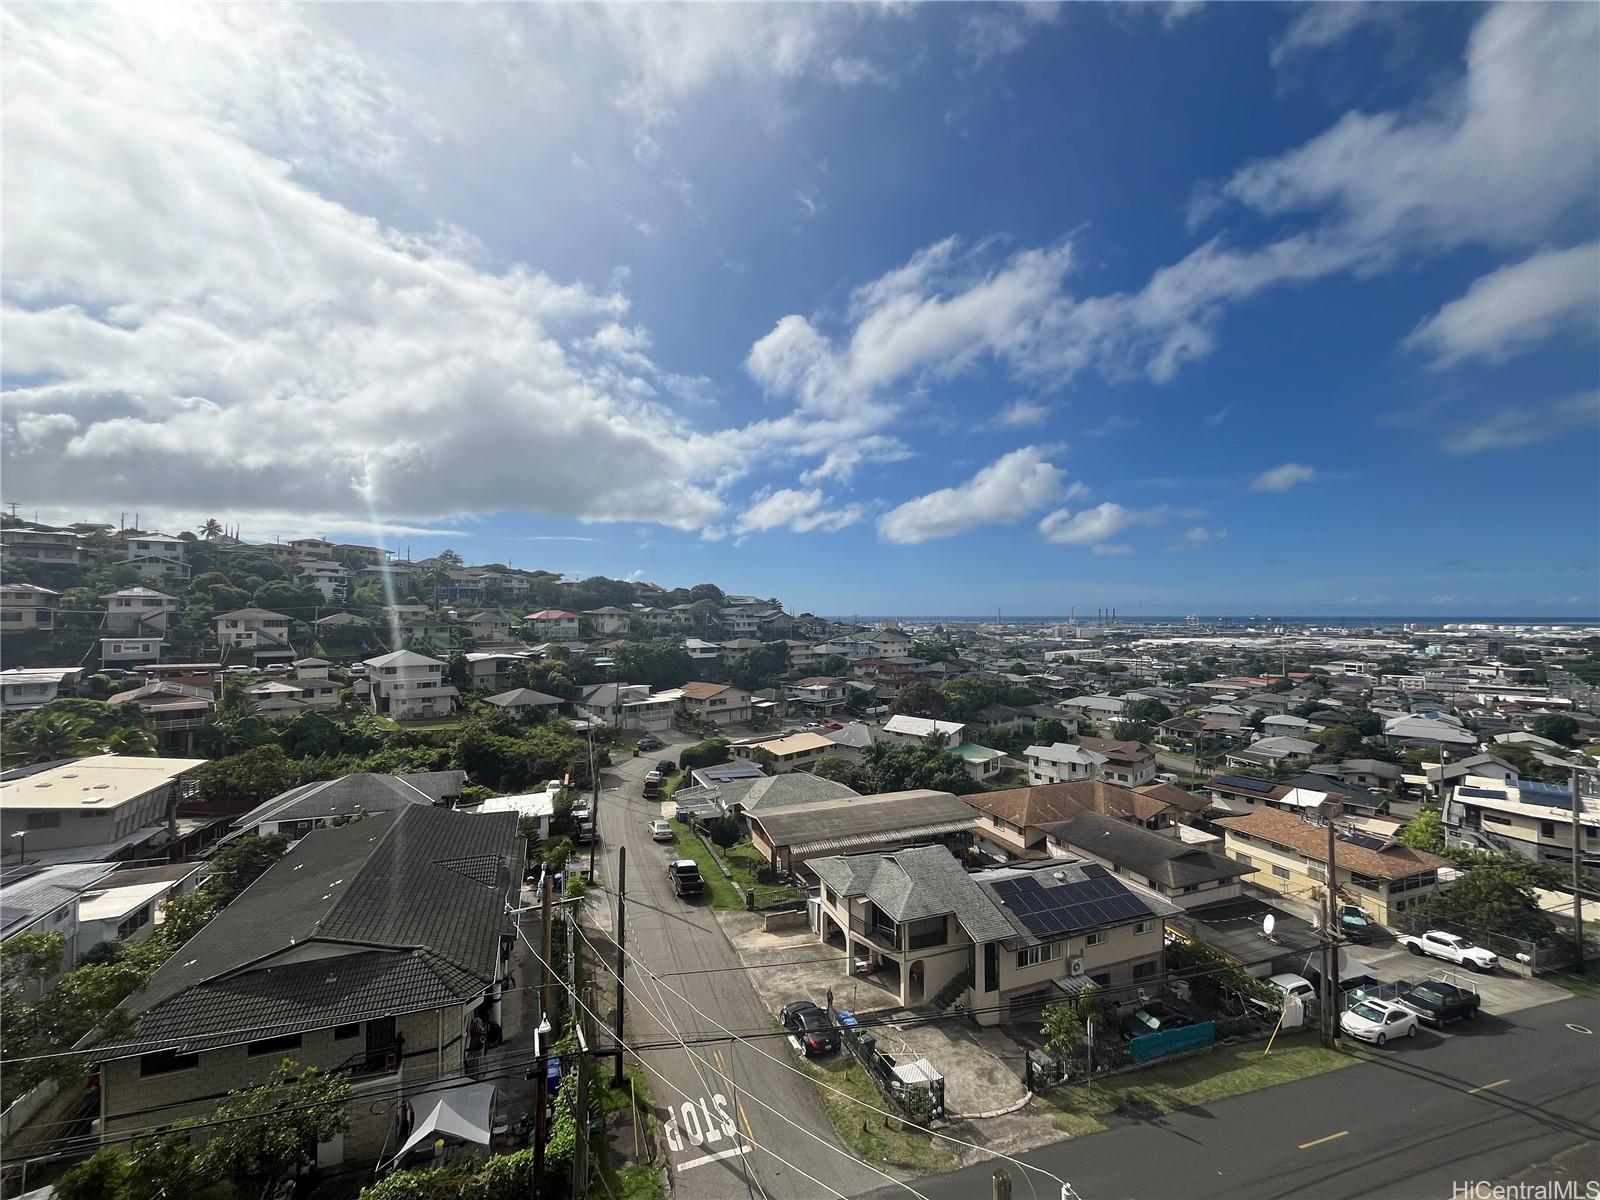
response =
{"points": [[728, 1113], [1502, 993]]}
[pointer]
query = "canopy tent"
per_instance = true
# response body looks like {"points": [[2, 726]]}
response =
{"points": [[459, 1110]]}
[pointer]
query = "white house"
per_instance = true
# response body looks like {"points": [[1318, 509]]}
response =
{"points": [[901, 728], [555, 624], [26, 607], [610, 620], [34, 687], [128, 650], [408, 685], [253, 629], [329, 578], [139, 610], [1061, 762], [700, 651], [156, 545], [1094, 708]]}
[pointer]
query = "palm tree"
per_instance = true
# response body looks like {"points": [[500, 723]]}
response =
{"points": [[46, 739], [212, 528], [134, 742]]}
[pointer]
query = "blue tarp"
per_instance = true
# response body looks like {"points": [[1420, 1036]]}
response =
{"points": [[1172, 1041]]}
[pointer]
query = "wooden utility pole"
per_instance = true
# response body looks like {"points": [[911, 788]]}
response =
{"points": [[1577, 870], [622, 956], [1330, 947], [541, 1128]]}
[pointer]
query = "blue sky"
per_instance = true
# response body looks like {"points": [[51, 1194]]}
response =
{"points": [[1217, 308]]}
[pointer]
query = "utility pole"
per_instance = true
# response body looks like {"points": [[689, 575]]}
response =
{"points": [[622, 957], [541, 1063], [1330, 950], [1577, 870], [594, 805]]}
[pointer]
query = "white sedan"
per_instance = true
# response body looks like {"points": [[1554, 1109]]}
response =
{"points": [[1377, 1021], [661, 831]]}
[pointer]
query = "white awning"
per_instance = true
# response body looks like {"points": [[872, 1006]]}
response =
{"points": [[461, 1111]]}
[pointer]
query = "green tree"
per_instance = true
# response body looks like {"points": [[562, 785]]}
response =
{"points": [[242, 862], [841, 770], [1149, 710], [1338, 742], [1496, 897], [1367, 724], [836, 665], [899, 767], [210, 528], [1425, 831], [48, 738], [919, 699], [1133, 731], [29, 958], [1047, 731], [708, 753], [311, 734], [262, 1136], [243, 781], [459, 672], [658, 662], [1558, 727], [764, 667]]}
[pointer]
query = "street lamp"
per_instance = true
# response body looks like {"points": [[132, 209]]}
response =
{"points": [[22, 845]]}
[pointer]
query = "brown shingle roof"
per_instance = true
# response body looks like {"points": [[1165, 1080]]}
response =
{"points": [[1394, 862], [703, 691], [1112, 748], [1171, 793], [1048, 802]]}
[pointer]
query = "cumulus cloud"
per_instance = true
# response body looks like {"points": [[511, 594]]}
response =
{"points": [[1088, 526], [1510, 311], [1198, 536], [1007, 490], [1021, 413], [1522, 426], [1318, 26], [800, 511], [1281, 479], [997, 30]]}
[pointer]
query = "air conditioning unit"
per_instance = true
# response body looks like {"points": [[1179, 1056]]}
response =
{"points": [[1075, 967]]}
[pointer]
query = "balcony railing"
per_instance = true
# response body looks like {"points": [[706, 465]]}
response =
{"points": [[374, 1060], [886, 937]]}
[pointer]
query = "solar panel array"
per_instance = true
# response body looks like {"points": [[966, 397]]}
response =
{"points": [[1365, 840], [1048, 912], [1552, 795], [1244, 783]]}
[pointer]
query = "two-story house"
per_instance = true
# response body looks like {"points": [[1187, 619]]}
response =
{"points": [[909, 730], [373, 948], [491, 625], [1381, 874], [702, 651], [105, 806], [34, 687], [715, 703], [818, 696], [1132, 764], [258, 633], [1004, 941], [1523, 817], [407, 685], [494, 671], [555, 624], [158, 556], [610, 621], [358, 556], [140, 610], [1186, 873], [332, 579], [41, 546], [1062, 762], [1015, 819], [796, 752], [27, 608]]}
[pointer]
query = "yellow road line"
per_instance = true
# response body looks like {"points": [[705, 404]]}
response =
{"points": [[1486, 1087], [737, 1103], [1330, 1138]]}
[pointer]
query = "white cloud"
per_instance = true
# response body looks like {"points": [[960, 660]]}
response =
{"points": [[1088, 526], [1114, 424], [1021, 413], [1198, 536], [1281, 479], [1007, 490], [1513, 427], [1218, 417], [800, 511], [1000, 29], [1318, 26], [1111, 548], [1509, 311], [841, 463]]}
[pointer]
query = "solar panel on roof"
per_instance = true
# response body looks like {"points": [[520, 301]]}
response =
{"points": [[1481, 793], [1244, 783], [1362, 839], [1067, 908]]}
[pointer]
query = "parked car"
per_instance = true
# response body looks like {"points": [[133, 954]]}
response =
{"points": [[1294, 985], [1355, 925], [652, 786], [684, 874], [1439, 1003], [1377, 1021], [666, 766], [651, 742], [1153, 1018], [1451, 948], [812, 1026], [661, 831]]}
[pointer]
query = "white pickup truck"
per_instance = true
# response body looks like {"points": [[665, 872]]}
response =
{"points": [[1450, 948]]}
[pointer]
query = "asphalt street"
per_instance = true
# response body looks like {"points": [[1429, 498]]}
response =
{"points": [[735, 1123], [1483, 1102]]}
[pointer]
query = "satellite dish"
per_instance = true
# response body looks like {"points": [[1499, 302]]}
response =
{"points": [[1268, 924]]}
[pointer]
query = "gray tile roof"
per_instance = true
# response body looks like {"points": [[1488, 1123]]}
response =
{"points": [[342, 797], [27, 894], [912, 813], [923, 881], [779, 791], [1164, 860], [524, 697], [416, 899]]}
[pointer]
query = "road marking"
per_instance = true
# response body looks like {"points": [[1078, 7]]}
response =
{"points": [[1580, 1029], [1486, 1087], [711, 1158], [1332, 1137]]}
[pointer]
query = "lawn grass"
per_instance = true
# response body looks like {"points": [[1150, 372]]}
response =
{"points": [[430, 723], [636, 1181], [746, 863], [874, 1138], [1202, 1079], [1578, 985], [723, 893]]}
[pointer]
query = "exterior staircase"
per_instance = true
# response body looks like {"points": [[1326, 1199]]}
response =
{"points": [[952, 991]]}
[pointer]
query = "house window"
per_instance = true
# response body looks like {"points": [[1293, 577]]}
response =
{"points": [[1281, 872], [1547, 829], [1144, 927], [1034, 955], [343, 1033], [44, 820], [1145, 970], [273, 1045], [1097, 938], [163, 1061], [134, 922], [1102, 980]]}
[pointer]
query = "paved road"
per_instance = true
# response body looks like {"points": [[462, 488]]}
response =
{"points": [[721, 1142], [1482, 1102]]}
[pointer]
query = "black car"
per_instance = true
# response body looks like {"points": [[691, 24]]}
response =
{"points": [[1439, 1003], [666, 766], [812, 1026], [1355, 925], [650, 742], [1153, 1018]]}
